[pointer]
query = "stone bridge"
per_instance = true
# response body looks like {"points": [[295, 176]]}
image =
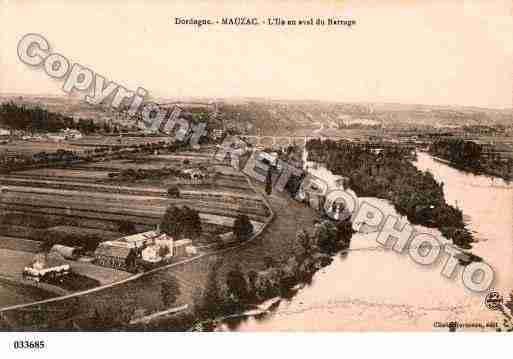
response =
{"points": [[269, 141]]}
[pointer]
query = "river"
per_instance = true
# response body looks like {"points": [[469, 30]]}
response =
{"points": [[374, 289]]}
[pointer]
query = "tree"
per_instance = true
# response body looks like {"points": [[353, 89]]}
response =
{"points": [[327, 238], [237, 284], [242, 227], [173, 192], [208, 301], [304, 241], [252, 280], [169, 292], [115, 313], [345, 232], [268, 182], [181, 222], [171, 222], [126, 227], [163, 251], [269, 262], [191, 222]]}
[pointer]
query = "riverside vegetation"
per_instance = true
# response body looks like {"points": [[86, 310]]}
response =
{"points": [[470, 156], [227, 293], [387, 174]]}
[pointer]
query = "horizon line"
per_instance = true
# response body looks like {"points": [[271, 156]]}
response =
{"points": [[262, 98]]}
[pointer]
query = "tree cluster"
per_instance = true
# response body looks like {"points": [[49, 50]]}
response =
{"points": [[242, 227], [390, 175], [38, 119], [181, 222]]}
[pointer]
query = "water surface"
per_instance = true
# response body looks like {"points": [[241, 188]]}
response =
{"points": [[374, 289]]}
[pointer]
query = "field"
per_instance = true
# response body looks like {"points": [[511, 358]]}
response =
{"points": [[80, 199], [13, 262], [29, 148], [98, 141], [277, 241]]}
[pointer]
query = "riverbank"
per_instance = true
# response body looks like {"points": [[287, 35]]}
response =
{"points": [[473, 157], [488, 172], [114, 305], [260, 264], [388, 174], [374, 289]]}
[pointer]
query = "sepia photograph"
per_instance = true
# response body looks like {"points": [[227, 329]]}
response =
{"points": [[255, 166]]}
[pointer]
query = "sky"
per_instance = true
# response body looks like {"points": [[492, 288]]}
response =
{"points": [[422, 52]]}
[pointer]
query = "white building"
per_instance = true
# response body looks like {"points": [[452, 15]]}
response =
{"points": [[135, 240], [46, 266]]}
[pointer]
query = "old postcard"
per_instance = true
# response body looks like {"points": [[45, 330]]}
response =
{"points": [[264, 166]]}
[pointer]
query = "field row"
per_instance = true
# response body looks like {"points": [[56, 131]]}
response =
{"points": [[102, 198], [120, 205], [188, 192], [104, 224], [20, 244], [135, 214]]}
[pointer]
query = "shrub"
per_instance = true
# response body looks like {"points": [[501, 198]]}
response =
{"points": [[163, 251], [170, 291], [126, 227], [181, 222], [237, 285], [242, 227]]}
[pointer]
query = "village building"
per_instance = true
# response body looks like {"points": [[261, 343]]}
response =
{"points": [[55, 137], [217, 134], [151, 247], [70, 134], [65, 251], [180, 247], [46, 267], [161, 243], [194, 173], [136, 241], [151, 254], [117, 257], [227, 238]]}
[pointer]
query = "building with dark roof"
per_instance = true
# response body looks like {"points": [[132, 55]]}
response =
{"points": [[117, 257]]}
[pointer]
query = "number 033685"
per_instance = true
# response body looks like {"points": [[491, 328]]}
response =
{"points": [[29, 344]]}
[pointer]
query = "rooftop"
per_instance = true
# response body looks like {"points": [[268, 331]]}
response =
{"points": [[106, 249]]}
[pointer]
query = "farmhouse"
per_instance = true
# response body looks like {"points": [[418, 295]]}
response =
{"points": [[151, 254], [148, 246], [227, 237], [217, 134], [55, 138], [65, 251], [117, 257], [158, 248], [194, 173], [137, 241], [46, 267], [180, 247], [71, 134]]}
